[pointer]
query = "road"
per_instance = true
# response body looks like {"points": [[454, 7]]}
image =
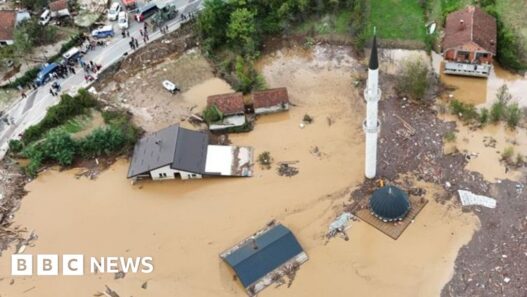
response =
{"points": [[30, 110]]}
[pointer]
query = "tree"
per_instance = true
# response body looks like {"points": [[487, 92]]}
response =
{"points": [[413, 78], [34, 5], [211, 23], [241, 29]]}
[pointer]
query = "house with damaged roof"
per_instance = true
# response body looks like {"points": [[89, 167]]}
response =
{"points": [[265, 257], [469, 44], [176, 152], [232, 109]]}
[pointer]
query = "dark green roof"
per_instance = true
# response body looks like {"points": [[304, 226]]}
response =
{"points": [[390, 203], [275, 247]]}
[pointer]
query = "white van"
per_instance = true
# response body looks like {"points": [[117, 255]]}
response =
{"points": [[122, 20], [45, 17]]}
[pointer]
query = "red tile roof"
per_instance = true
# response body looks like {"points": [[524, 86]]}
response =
{"points": [[270, 97], [7, 24], [228, 104], [58, 5], [471, 24]]}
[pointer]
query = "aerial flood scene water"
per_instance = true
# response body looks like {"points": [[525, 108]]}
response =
{"points": [[300, 162]]}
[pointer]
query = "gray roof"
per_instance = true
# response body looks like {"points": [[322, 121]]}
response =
{"points": [[183, 149], [390, 203], [276, 246]]}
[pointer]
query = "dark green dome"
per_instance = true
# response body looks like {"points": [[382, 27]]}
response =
{"points": [[389, 203]]}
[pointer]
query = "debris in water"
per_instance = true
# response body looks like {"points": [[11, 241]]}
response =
{"points": [[307, 119], [265, 160], [285, 169], [111, 293], [144, 285], [119, 274], [339, 225], [469, 198]]}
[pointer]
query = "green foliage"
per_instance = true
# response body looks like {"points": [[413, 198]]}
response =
{"points": [[413, 78], [105, 141], [397, 19], [241, 30], [66, 109], [34, 5], [483, 116], [59, 147], [464, 111], [248, 78], [30, 33], [449, 136], [513, 115], [507, 153], [25, 79], [497, 111], [212, 114], [15, 146]]}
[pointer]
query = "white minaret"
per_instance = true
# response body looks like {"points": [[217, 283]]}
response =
{"points": [[371, 126]]}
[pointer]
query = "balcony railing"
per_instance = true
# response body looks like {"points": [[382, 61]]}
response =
{"points": [[481, 70]]}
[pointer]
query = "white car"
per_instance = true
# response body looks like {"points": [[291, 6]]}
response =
{"points": [[114, 11], [122, 20], [45, 17]]}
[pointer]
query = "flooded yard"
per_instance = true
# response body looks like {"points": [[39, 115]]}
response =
{"points": [[480, 91], [184, 225]]}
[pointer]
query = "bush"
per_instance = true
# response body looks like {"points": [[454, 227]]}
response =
{"points": [[513, 115], [212, 114], [104, 141], [483, 116], [507, 153], [497, 111], [60, 147], [25, 79], [67, 108], [15, 146], [464, 111], [449, 136], [413, 79]]}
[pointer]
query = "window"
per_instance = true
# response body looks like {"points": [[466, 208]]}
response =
{"points": [[161, 175]]}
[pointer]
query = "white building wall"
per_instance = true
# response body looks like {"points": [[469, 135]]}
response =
{"points": [[276, 108], [166, 172]]}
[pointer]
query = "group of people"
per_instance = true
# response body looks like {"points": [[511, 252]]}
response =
{"points": [[55, 88], [134, 44]]}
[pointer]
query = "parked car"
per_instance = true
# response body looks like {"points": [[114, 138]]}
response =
{"points": [[72, 54], [45, 17], [114, 11], [103, 32], [45, 73], [146, 11], [122, 20]]}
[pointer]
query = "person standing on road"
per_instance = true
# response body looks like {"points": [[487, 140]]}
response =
{"points": [[136, 43], [141, 31]]}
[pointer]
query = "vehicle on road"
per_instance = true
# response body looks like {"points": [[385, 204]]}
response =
{"points": [[45, 17], [114, 11], [45, 73], [103, 32], [122, 20], [146, 11], [72, 54]]}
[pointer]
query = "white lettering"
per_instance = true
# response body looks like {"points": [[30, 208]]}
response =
{"points": [[73, 265], [111, 265], [96, 266], [47, 264], [148, 266], [21, 264], [130, 263]]}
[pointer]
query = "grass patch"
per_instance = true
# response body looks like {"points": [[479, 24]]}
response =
{"points": [[450, 136], [327, 24], [397, 19]]}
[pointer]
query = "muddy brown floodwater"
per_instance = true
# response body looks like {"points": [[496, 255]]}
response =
{"points": [[185, 225]]}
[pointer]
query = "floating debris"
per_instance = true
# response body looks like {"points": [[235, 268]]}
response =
{"points": [[285, 169], [339, 225], [468, 198]]}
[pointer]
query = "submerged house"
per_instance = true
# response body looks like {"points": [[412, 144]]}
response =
{"points": [[178, 152], [232, 107], [271, 100], [265, 257], [469, 44]]}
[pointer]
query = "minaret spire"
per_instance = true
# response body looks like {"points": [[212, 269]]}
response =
{"points": [[371, 125]]}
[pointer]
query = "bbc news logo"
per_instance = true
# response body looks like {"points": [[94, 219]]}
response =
{"points": [[22, 264]]}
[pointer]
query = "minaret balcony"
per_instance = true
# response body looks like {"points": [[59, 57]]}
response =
{"points": [[372, 97], [367, 129]]}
